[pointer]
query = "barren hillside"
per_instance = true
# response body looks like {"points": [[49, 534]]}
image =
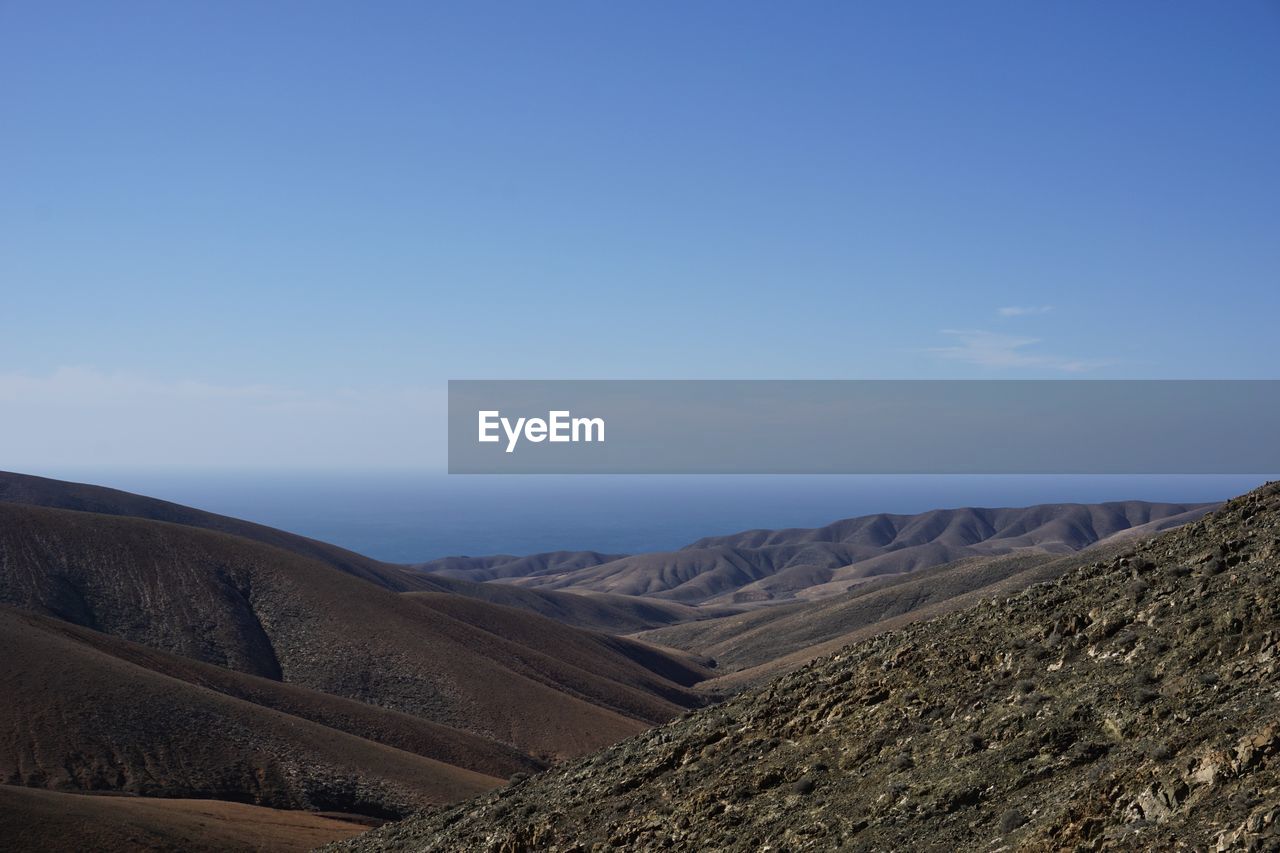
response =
{"points": [[1129, 705]]}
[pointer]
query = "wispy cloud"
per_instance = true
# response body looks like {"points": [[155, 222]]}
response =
{"points": [[1023, 310], [995, 350]]}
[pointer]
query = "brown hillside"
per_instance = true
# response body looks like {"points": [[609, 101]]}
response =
{"points": [[257, 609], [763, 634], [77, 717], [59, 494], [391, 728], [614, 614], [74, 823], [1129, 705], [500, 566], [608, 613], [771, 565]]}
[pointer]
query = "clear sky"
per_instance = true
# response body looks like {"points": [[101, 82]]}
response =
{"points": [[266, 233]]}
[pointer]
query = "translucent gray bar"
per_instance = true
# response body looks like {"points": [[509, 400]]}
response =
{"points": [[868, 427]]}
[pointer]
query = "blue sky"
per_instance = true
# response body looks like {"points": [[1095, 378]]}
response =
{"points": [[267, 233]]}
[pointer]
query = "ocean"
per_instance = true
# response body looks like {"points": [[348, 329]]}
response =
{"points": [[416, 516]]}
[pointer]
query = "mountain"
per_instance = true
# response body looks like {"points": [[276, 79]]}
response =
{"points": [[764, 642], [88, 712], [615, 614], [765, 566], [596, 612], [263, 611], [502, 566], [166, 659], [1130, 704], [99, 500], [243, 682]]}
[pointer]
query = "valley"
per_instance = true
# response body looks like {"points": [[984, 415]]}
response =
{"points": [[163, 655]]}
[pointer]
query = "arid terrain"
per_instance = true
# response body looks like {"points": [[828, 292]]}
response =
{"points": [[761, 566], [432, 426], [158, 651], [1131, 704], [178, 679]]}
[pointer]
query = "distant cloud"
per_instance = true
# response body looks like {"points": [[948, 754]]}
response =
{"points": [[994, 350], [1023, 311]]}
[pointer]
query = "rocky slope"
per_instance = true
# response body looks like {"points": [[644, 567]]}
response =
{"points": [[1132, 704], [764, 634]]}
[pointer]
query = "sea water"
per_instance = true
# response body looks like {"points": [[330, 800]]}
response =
{"points": [[413, 516]]}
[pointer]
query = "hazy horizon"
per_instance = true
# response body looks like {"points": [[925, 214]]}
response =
{"points": [[411, 516]]}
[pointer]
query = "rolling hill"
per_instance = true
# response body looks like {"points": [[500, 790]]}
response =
{"points": [[596, 612], [1130, 704], [614, 614], [263, 611], [87, 712], [760, 643], [163, 653], [100, 500], [205, 665], [766, 566]]}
